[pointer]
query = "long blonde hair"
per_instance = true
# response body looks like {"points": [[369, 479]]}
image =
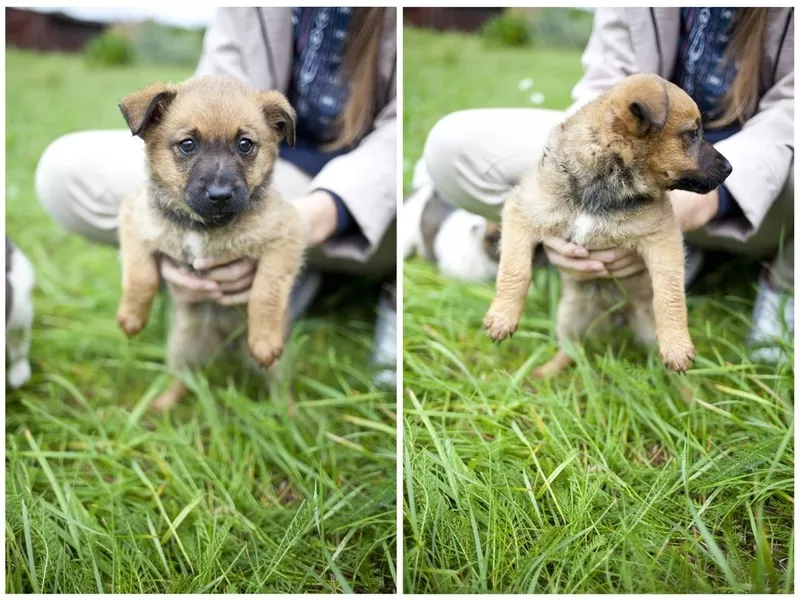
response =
{"points": [[360, 67], [746, 48]]}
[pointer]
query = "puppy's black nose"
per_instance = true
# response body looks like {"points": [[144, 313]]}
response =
{"points": [[219, 194], [726, 167]]}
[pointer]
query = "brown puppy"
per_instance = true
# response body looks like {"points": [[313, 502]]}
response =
{"points": [[211, 146], [602, 182]]}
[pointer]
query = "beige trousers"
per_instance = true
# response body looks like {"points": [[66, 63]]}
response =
{"points": [[475, 157], [82, 178]]}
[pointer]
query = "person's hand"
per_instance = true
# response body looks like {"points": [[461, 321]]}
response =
{"points": [[318, 213], [212, 281], [581, 264], [693, 211]]}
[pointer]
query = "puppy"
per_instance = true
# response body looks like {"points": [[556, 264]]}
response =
{"points": [[462, 245], [211, 147], [20, 279], [602, 182]]}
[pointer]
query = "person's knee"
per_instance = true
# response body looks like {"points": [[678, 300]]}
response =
{"points": [[80, 188], [451, 153], [446, 146], [56, 171]]}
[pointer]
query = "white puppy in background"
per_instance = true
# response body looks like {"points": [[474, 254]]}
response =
{"points": [[20, 278], [461, 244]]}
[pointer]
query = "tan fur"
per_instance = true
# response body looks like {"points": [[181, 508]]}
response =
{"points": [[214, 108], [655, 155]]}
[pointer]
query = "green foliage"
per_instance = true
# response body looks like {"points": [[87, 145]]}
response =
{"points": [[507, 30], [110, 48], [562, 28], [158, 44]]}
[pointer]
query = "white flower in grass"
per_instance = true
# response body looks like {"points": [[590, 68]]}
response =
{"points": [[537, 98], [525, 84]]}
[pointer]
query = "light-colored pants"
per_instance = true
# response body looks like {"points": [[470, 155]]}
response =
{"points": [[475, 157], [82, 178]]}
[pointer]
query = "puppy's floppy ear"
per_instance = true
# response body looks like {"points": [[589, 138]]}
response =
{"points": [[649, 107], [147, 106], [279, 114]]}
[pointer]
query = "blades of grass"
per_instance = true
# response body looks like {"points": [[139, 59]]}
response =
{"points": [[788, 587], [437, 442], [157, 544], [713, 549], [781, 449], [95, 570], [148, 484], [483, 568], [349, 444], [408, 472], [26, 527], [298, 527], [532, 496], [60, 498], [382, 427], [515, 428], [549, 481], [73, 391], [447, 353], [143, 404], [179, 519]]}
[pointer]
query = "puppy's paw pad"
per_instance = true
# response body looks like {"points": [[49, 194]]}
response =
{"points": [[130, 323], [265, 351], [499, 326], [678, 357]]}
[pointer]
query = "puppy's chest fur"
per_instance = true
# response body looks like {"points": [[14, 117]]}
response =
{"points": [[249, 235]]}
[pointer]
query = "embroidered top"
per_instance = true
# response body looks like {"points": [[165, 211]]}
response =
{"points": [[703, 72], [318, 92]]}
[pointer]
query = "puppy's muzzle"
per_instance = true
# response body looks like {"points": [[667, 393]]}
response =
{"points": [[713, 169]]}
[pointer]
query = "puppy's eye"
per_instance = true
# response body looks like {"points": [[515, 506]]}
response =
{"points": [[187, 146], [694, 135], [245, 146]]}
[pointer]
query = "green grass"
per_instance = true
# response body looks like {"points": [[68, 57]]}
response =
{"points": [[237, 490], [615, 477]]}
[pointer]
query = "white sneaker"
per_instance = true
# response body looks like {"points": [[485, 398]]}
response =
{"points": [[773, 320], [384, 356]]}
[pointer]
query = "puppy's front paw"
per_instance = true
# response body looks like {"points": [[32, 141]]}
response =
{"points": [[499, 324], [677, 354], [131, 321], [266, 349]]}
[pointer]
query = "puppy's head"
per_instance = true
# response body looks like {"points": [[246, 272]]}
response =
{"points": [[211, 143], [662, 127]]}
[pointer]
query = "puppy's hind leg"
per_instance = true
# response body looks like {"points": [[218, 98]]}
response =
{"points": [[172, 395], [643, 323], [193, 339], [576, 314]]}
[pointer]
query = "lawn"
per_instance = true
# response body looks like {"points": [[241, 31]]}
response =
{"points": [[616, 476], [236, 490]]}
